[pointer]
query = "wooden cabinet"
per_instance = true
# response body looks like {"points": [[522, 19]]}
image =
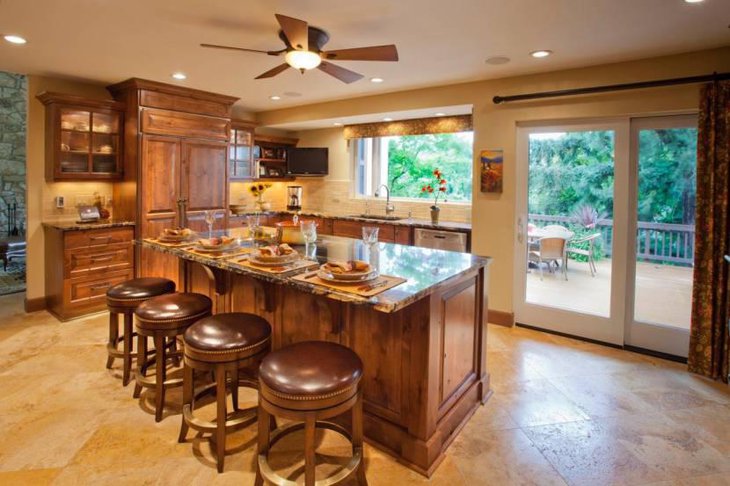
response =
{"points": [[179, 170], [83, 138], [81, 265], [178, 140], [270, 155], [240, 151], [353, 229]]}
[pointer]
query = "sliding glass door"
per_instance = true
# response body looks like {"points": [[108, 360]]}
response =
{"points": [[588, 196], [664, 162]]}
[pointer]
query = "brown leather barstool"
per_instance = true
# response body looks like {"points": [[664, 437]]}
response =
{"points": [[309, 382], [224, 344], [123, 299], [160, 318]]}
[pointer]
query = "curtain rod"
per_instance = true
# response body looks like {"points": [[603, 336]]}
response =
{"points": [[613, 87]]}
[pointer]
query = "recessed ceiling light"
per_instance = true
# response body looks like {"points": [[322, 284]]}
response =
{"points": [[497, 60], [376, 80], [179, 76], [337, 124], [694, 1], [274, 97], [440, 113], [541, 53], [387, 118], [15, 39]]}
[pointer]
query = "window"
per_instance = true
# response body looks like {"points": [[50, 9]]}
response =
{"points": [[406, 164]]}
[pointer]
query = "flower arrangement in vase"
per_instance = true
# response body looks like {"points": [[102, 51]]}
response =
{"points": [[437, 187], [258, 189]]}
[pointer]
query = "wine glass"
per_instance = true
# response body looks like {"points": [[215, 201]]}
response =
{"points": [[309, 233], [252, 221], [370, 234], [210, 221]]}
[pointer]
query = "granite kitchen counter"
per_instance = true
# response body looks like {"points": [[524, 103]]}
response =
{"points": [[425, 269], [75, 225]]}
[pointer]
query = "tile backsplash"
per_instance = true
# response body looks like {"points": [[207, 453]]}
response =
{"points": [[74, 193], [335, 197]]}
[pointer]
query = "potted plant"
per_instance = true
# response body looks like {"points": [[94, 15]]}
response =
{"points": [[437, 187], [258, 189]]}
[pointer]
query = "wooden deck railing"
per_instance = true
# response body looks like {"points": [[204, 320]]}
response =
{"points": [[659, 242]]}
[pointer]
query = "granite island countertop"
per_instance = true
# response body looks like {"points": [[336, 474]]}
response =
{"points": [[411, 222], [424, 268], [75, 225]]}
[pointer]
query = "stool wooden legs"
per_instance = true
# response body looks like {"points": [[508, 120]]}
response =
{"points": [[264, 437], [112, 346], [160, 375], [220, 432], [357, 438], [309, 449], [163, 353]]}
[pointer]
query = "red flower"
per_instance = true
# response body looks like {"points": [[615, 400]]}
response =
{"points": [[437, 173], [430, 189], [442, 189], [424, 189], [442, 182]]}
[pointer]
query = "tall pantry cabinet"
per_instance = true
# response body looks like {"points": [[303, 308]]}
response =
{"points": [[176, 153]]}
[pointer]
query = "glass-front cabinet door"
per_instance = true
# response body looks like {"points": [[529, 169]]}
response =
{"points": [[83, 139], [240, 152]]}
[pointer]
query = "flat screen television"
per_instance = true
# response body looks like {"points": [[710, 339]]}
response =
{"points": [[310, 161]]}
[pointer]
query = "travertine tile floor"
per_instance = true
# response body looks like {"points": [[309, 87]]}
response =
{"points": [[563, 411]]}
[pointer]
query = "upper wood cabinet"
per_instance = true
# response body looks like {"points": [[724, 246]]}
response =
{"points": [[83, 138], [270, 156], [240, 151]]}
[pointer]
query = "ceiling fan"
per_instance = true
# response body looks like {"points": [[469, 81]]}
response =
{"points": [[303, 51]]}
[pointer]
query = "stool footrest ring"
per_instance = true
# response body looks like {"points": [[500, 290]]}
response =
{"points": [[278, 434]]}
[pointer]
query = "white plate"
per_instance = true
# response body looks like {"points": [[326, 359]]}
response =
{"points": [[253, 259], [277, 259], [218, 249], [355, 276], [334, 278]]}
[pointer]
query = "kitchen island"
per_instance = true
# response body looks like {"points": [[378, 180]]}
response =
{"points": [[422, 343]]}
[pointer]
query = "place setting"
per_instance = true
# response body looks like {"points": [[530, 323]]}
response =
{"points": [[354, 277], [275, 259], [175, 237], [218, 247]]}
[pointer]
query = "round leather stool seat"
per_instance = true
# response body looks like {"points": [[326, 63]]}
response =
{"points": [[310, 374], [132, 292], [172, 311], [227, 337]]}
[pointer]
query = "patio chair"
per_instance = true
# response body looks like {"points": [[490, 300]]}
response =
{"points": [[585, 252], [556, 230], [550, 249]]}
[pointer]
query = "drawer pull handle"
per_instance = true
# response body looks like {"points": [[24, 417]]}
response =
{"points": [[94, 238], [102, 259], [103, 286]]}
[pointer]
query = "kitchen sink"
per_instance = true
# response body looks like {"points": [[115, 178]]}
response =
{"points": [[381, 217]]}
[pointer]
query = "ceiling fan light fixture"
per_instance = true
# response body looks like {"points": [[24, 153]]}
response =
{"points": [[303, 60]]}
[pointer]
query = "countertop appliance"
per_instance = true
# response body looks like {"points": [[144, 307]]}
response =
{"points": [[307, 161], [441, 240], [293, 198]]}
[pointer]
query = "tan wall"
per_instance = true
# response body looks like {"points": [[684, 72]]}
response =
{"points": [[493, 216], [39, 193]]}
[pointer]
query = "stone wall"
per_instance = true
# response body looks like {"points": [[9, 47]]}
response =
{"points": [[13, 99]]}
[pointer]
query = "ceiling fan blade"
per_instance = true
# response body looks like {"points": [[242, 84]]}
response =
{"points": [[373, 53], [231, 48], [344, 75], [296, 31], [273, 72]]}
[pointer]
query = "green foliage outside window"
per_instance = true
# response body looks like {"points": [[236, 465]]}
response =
{"points": [[413, 158]]}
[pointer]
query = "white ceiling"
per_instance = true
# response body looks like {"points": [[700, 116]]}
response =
{"points": [[439, 41]]}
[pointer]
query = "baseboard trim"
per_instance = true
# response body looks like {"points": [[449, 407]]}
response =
{"points": [[501, 318], [35, 305]]}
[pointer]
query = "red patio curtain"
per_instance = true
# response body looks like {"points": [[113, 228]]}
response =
{"points": [[709, 352]]}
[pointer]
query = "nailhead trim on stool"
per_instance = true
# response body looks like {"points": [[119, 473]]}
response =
{"points": [[223, 343], [307, 383], [123, 299], [164, 318]]}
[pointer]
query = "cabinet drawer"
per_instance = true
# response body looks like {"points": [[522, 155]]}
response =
{"points": [[350, 229], [82, 261], [168, 101], [403, 235], [91, 291], [162, 122], [89, 238]]}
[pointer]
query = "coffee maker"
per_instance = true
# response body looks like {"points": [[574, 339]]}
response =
{"points": [[294, 198]]}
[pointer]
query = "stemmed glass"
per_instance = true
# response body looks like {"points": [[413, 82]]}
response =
{"points": [[210, 220], [370, 235], [309, 233], [252, 221]]}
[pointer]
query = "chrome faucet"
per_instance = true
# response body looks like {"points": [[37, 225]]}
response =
{"points": [[389, 208]]}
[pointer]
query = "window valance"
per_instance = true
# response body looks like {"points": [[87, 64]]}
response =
{"points": [[418, 126]]}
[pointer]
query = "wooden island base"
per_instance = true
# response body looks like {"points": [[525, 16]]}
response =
{"points": [[424, 365]]}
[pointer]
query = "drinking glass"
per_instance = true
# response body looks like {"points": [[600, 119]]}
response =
{"points": [[210, 221], [309, 233], [370, 234], [252, 222]]}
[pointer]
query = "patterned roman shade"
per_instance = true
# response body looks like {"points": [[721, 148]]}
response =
{"points": [[419, 126]]}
